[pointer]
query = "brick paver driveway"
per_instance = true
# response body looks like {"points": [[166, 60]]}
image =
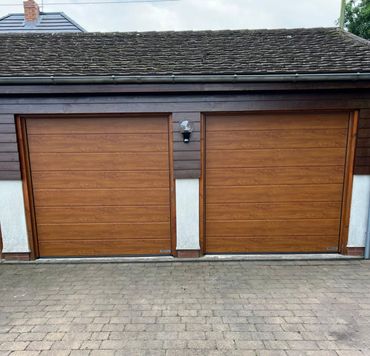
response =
{"points": [[213, 308]]}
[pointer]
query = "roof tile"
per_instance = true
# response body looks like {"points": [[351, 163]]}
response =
{"points": [[320, 50]]}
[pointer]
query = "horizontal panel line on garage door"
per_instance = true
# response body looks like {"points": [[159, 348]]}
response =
{"points": [[164, 152], [257, 149], [276, 244], [107, 247], [95, 133], [106, 206], [102, 170], [273, 227], [274, 237], [68, 237], [101, 153], [102, 223], [111, 214], [271, 210], [274, 175], [265, 185], [270, 167], [277, 129], [99, 124], [277, 185], [52, 242], [120, 189], [276, 121], [99, 205], [98, 143], [107, 237], [280, 201], [96, 197], [266, 203], [98, 231], [275, 157], [252, 219], [271, 139], [255, 194]]}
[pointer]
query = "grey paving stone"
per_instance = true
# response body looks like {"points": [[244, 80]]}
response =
{"points": [[13, 345], [308, 308]]}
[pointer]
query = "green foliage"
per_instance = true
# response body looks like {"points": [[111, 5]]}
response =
{"points": [[357, 18]]}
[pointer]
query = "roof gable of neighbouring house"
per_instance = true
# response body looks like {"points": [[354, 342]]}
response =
{"points": [[46, 22]]}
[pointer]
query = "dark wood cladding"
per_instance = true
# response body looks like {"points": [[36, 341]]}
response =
{"points": [[362, 158], [184, 101], [9, 158], [186, 155]]}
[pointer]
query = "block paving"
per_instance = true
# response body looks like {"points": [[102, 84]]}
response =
{"points": [[281, 308]]}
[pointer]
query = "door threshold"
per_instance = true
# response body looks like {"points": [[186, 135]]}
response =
{"points": [[205, 258]]}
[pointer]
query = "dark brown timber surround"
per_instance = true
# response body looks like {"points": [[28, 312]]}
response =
{"points": [[362, 161], [348, 182]]}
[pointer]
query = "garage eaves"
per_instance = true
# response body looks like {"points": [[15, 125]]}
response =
{"points": [[297, 77]]}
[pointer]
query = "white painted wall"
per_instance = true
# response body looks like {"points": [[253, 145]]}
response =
{"points": [[359, 211], [187, 214], [12, 217]]}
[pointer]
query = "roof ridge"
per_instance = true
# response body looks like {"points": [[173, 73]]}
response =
{"points": [[72, 21], [221, 31], [354, 37]]}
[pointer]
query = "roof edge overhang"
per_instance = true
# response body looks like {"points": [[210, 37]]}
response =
{"points": [[168, 79]]}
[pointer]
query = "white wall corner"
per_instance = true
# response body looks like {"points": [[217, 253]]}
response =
{"points": [[13, 218], [359, 211], [187, 214]]}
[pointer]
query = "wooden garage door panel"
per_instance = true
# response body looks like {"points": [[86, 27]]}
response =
{"points": [[276, 122], [273, 211], [78, 125], [104, 247], [275, 175], [275, 244], [101, 187], [94, 143], [100, 180], [315, 227], [275, 193], [238, 140], [104, 214], [99, 197], [99, 161], [99, 231], [275, 157], [274, 182]]}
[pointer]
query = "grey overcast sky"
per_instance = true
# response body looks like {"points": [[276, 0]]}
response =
{"points": [[195, 14]]}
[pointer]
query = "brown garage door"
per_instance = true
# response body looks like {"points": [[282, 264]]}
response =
{"points": [[274, 183], [101, 185]]}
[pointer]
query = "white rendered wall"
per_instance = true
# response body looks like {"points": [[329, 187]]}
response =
{"points": [[187, 214], [12, 217], [359, 211]]}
